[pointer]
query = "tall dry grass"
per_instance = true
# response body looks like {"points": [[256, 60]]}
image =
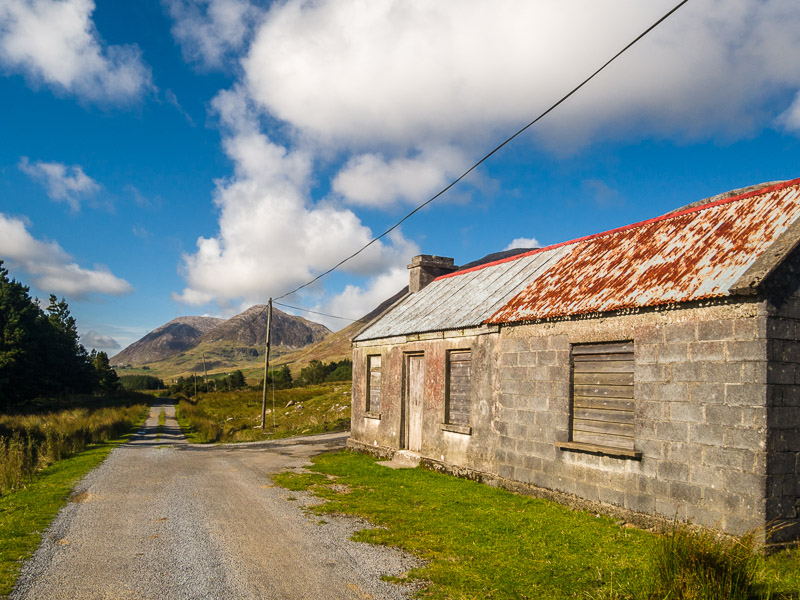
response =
{"points": [[30, 442]]}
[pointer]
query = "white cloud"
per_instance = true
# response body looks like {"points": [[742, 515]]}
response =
{"points": [[523, 243], [51, 268], [354, 301], [209, 31], [63, 183], [271, 236], [372, 180], [56, 43], [399, 71], [98, 341]]}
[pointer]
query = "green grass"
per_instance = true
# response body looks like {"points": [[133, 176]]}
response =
{"points": [[483, 542], [235, 416], [26, 513]]}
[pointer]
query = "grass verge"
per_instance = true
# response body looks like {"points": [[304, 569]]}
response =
{"points": [[234, 416], [483, 542], [26, 513]]}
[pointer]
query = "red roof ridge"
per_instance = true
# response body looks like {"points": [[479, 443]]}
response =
{"points": [[666, 217]]}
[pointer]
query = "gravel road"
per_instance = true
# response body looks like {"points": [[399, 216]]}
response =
{"points": [[163, 519]]}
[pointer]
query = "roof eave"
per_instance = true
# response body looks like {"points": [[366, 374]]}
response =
{"points": [[752, 279]]}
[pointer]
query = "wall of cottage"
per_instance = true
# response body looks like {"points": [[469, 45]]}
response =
{"points": [[701, 402]]}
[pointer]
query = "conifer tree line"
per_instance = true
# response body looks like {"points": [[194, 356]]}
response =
{"points": [[40, 350]]}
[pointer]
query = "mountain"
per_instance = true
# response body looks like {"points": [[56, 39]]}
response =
{"points": [[173, 337], [250, 329]]}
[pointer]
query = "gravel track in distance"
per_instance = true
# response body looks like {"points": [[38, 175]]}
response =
{"points": [[162, 519]]}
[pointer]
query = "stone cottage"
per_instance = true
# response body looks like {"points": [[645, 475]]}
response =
{"points": [[653, 369]]}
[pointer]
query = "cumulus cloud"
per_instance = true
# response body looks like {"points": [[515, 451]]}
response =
{"points": [[372, 180], [92, 339], [271, 236], [63, 183], [523, 243], [210, 31], [53, 270], [56, 43], [401, 71], [356, 301]]}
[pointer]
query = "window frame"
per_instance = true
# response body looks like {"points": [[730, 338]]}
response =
{"points": [[458, 424], [371, 411], [602, 399]]}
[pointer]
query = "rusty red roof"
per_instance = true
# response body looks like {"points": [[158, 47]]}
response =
{"points": [[687, 255]]}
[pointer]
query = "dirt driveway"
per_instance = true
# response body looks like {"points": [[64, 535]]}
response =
{"points": [[163, 519]]}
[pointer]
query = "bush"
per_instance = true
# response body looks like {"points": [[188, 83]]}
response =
{"points": [[141, 382]]}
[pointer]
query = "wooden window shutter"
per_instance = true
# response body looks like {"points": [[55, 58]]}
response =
{"points": [[374, 384], [459, 368], [602, 394]]}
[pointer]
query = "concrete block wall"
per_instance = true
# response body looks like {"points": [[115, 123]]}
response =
{"points": [[783, 440], [700, 421]]}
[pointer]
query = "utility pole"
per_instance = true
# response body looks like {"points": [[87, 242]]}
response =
{"points": [[205, 371], [195, 383], [266, 370]]}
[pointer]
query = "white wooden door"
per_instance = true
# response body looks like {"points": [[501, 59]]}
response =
{"points": [[415, 386]]}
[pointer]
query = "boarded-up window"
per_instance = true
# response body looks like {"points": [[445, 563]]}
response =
{"points": [[374, 384], [459, 367], [602, 394]]}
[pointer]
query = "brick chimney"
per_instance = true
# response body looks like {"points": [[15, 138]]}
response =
{"points": [[425, 268]]}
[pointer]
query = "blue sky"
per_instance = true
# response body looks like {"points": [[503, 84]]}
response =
{"points": [[189, 157]]}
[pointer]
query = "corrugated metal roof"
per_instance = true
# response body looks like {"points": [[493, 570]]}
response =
{"points": [[698, 253], [463, 301], [682, 256]]}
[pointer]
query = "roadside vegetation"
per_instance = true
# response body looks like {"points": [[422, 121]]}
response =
{"points": [[236, 416], [317, 401], [483, 542]]}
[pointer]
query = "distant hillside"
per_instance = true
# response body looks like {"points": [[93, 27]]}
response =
{"points": [[194, 344], [336, 346], [250, 329], [173, 337]]}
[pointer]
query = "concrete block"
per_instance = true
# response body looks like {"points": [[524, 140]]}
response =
{"points": [[673, 471], [640, 502], [707, 351], [710, 477], [722, 501], [748, 394], [715, 330], [754, 416], [673, 392], [755, 372], [669, 353], [509, 359], [745, 484], [746, 439], [784, 417], [726, 372], [689, 372], [551, 358], [649, 411], [680, 332], [746, 350], [713, 435], [649, 334], [686, 412], [509, 344], [527, 359], [722, 414], [723, 458], [783, 329], [706, 393], [539, 343], [645, 353], [684, 492], [781, 463], [781, 373], [691, 454], [672, 432], [609, 496], [645, 373], [745, 329]]}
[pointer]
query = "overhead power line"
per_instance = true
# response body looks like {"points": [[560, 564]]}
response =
{"points": [[487, 156], [314, 312]]}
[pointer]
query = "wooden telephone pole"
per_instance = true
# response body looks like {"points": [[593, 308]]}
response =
{"points": [[205, 371], [266, 370]]}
